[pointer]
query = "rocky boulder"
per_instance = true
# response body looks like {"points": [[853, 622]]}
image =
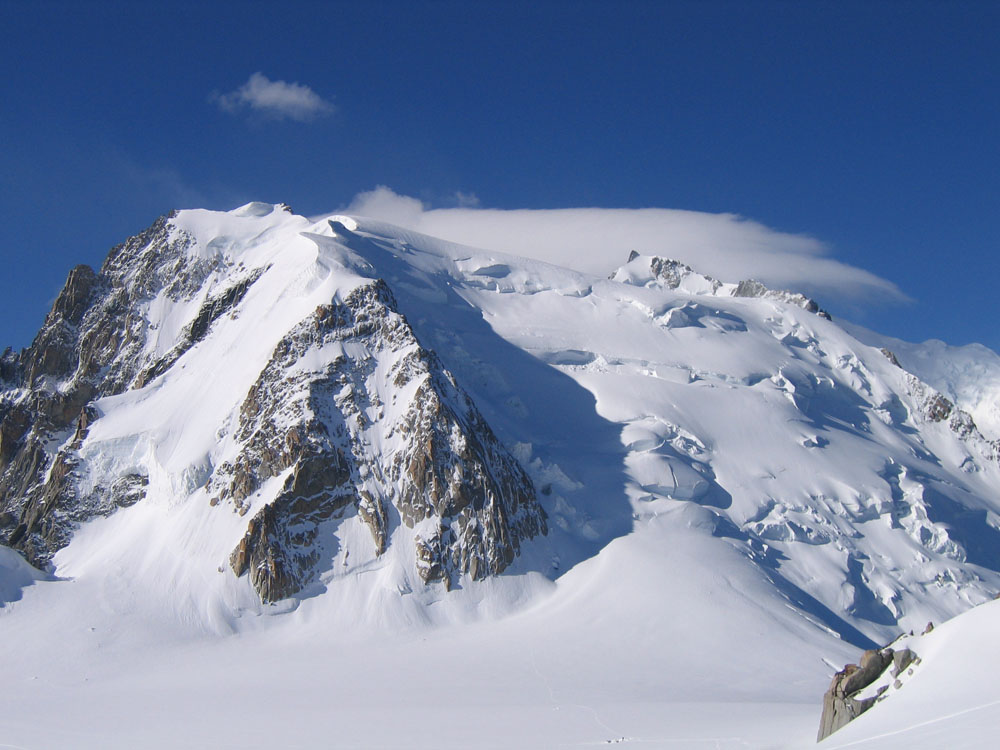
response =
{"points": [[843, 702]]}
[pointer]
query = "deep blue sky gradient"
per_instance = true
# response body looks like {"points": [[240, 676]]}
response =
{"points": [[871, 126]]}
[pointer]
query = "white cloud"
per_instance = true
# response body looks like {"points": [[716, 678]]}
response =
{"points": [[598, 240], [385, 205], [278, 99]]}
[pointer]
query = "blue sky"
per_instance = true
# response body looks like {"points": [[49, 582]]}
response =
{"points": [[872, 127]]}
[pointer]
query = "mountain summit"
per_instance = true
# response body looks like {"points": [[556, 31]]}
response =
{"points": [[292, 418], [254, 412]]}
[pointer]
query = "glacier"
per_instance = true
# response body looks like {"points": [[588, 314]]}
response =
{"points": [[287, 477]]}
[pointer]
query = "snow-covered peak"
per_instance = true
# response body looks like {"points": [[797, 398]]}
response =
{"points": [[731, 397], [222, 233], [367, 431]]}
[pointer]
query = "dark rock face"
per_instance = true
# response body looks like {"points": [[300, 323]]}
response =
{"points": [[278, 549], [398, 442], [840, 705], [378, 428], [889, 355], [90, 346], [10, 367], [14, 424]]}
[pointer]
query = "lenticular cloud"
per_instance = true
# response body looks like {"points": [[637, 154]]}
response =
{"points": [[599, 240]]}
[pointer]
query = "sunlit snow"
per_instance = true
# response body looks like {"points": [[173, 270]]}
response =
{"points": [[741, 497]]}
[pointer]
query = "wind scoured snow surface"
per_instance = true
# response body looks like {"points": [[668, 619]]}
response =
{"points": [[740, 496]]}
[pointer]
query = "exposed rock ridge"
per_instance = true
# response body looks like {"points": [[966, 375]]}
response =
{"points": [[753, 288], [673, 272], [847, 697], [935, 407], [382, 430], [91, 345]]}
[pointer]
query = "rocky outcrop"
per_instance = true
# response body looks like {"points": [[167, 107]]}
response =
{"points": [[673, 272], [839, 704], [381, 430], [14, 424], [665, 272], [279, 549], [54, 354], [753, 288], [933, 406], [90, 345], [891, 356], [10, 367], [350, 416], [842, 702]]}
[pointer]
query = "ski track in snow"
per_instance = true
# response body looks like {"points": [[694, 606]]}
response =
{"points": [[917, 727]]}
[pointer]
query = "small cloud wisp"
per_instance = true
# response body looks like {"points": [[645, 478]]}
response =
{"points": [[278, 99]]}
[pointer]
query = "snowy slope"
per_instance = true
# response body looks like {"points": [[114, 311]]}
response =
{"points": [[969, 375], [761, 412], [738, 494], [952, 698]]}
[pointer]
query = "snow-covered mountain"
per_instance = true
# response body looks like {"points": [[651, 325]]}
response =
{"points": [[577, 488]]}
